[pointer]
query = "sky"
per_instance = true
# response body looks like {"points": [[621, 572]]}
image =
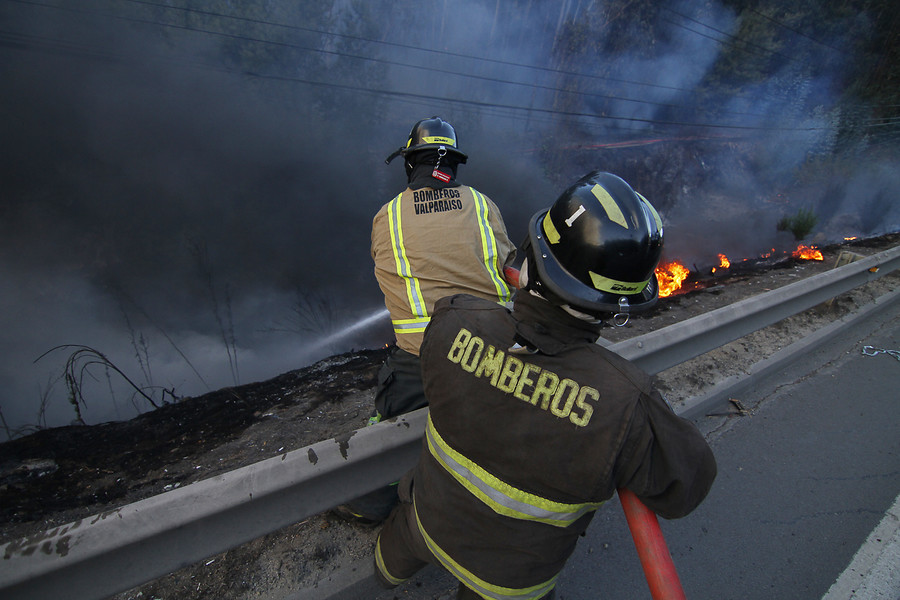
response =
{"points": [[188, 193]]}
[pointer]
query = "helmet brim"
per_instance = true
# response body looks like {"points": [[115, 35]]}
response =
{"points": [[570, 290], [462, 157]]}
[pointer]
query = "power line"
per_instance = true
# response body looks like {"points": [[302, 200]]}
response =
{"points": [[408, 47], [534, 109], [367, 58], [389, 62], [379, 60], [455, 101], [396, 94], [733, 38], [800, 33]]}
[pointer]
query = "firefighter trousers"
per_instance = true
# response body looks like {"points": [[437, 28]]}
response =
{"points": [[400, 388], [401, 551], [399, 391]]}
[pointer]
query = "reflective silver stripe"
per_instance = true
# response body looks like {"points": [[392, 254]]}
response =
{"points": [[494, 592], [411, 325], [500, 496]]}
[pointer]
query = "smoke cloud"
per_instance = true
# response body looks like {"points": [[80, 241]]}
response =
{"points": [[189, 191]]}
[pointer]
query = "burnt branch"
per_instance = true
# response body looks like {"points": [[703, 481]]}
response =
{"points": [[78, 366]]}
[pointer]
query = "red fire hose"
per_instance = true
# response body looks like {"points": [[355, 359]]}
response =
{"points": [[512, 276], [648, 538], [651, 548]]}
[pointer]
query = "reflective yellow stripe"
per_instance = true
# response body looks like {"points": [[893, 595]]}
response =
{"points": [[411, 325], [487, 590], [614, 286], [379, 562], [500, 496], [609, 205], [489, 247], [659, 224], [438, 139], [413, 290], [550, 231]]}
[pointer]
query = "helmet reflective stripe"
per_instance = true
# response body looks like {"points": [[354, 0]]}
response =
{"points": [[413, 290], [482, 587], [609, 205], [550, 231], [656, 217], [501, 497], [605, 284], [438, 139], [379, 562], [489, 247], [410, 325]]}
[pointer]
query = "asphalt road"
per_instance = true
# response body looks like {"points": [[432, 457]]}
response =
{"points": [[804, 478], [802, 482]]}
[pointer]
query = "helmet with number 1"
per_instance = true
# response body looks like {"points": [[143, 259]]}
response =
{"points": [[431, 134], [596, 249]]}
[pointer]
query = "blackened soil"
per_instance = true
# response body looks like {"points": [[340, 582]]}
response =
{"points": [[75, 471]]}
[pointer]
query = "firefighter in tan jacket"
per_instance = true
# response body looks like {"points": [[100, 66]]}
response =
{"points": [[437, 238]]}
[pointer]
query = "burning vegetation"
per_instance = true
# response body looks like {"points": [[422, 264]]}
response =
{"points": [[671, 276], [675, 278], [807, 253], [724, 263]]}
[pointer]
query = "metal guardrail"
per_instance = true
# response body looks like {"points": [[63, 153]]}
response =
{"points": [[115, 551]]}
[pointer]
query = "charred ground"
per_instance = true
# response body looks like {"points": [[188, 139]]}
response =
{"points": [[59, 475]]}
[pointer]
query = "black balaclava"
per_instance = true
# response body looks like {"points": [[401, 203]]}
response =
{"points": [[420, 166]]}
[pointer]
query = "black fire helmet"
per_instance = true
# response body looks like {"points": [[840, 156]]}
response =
{"points": [[430, 134], [596, 249]]}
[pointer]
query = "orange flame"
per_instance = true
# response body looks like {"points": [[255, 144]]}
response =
{"points": [[808, 253], [670, 276], [724, 263]]}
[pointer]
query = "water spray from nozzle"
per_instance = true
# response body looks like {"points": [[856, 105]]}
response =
{"points": [[367, 321]]}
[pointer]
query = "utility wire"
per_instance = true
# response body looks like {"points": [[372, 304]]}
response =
{"points": [[431, 69], [409, 47], [481, 58], [408, 65], [401, 94], [733, 38], [460, 101], [720, 41], [533, 109], [800, 33], [329, 33]]}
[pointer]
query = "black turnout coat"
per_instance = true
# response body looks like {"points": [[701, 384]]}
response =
{"points": [[533, 426]]}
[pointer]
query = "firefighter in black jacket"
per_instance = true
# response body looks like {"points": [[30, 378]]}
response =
{"points": [[532, 425]]}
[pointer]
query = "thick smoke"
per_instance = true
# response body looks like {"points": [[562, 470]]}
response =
{"points": [[191, 195]]}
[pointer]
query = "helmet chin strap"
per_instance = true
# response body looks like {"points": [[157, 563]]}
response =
{"points": [[523, 274], [580, 315], [393, 155]]}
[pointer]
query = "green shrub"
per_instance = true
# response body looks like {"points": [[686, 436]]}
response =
{"points": [[799, 224]]}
